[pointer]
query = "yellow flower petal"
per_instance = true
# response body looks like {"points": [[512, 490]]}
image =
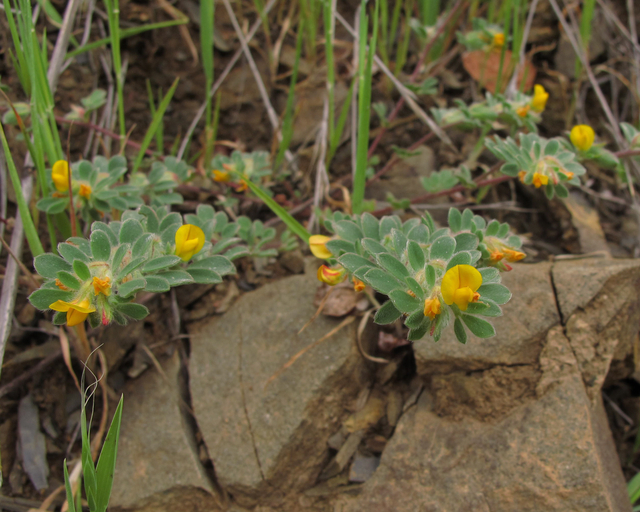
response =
{"points": [[582, 136], [77, 311], [459, 285], [189, 241], [540, 97], [498, 40], [102, 286], [318, 247], [60, 175], [85, 191], [331, 275], [432, 307], [539, 179], [221, 176], [358, 285]]}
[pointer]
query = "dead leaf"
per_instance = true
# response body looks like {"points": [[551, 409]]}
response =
{"points": [[341, 302], [32, 444], [484, 67]]}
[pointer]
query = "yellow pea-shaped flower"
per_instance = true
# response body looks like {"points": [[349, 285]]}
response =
{"points": [[189, 241], [317, 244], [77, 311], [60, 175], [459, 286], [582, 136], [540, 97]]}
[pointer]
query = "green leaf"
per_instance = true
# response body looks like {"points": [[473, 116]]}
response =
{"points": [[142, 245], [160, 263], [405, 302], [387, 314], [130, 231], [177, 277], [69, 280], [485, 307], [156, 284], [399, 241], [370, 226], [118, 257], [382, 281], [430, 276], [387, 223], [393, 265], [416, 255], [498, 293], [415, 287], [48, 265], [481, 328], [82, 270], [373, 246], [419, 332], [467, 219], [455, 219], [133, 310], [462, 258], [71, 253], [130, 287], [67, 486], [219, 264], [466, 242], [353, 262], [41, 299], [492, 228], [100, 245], [52, 205], [442, 248], [489, 275], [338, 247], [204, 276], [460, 331], [347, 230], [415, 319], [106, 467], [130, 267]]}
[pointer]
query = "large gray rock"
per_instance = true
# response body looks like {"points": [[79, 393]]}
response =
{"points": [[156, 452], [269, 436], [551, 452]]}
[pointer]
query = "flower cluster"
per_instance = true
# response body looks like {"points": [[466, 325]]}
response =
{"points": [[482, 36], [97, 186], [239, 167], [148, 250], [431, 276]]}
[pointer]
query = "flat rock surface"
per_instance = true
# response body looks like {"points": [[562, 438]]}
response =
{"points": [[156, 451], [259, 431], [553, 453]]}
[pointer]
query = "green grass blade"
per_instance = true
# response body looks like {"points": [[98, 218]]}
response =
{"points": [[295, 227], [342, 120], [124, 34], [30, 230], [206, 49], [67, 487], [331, 72], [88, 470], [586, 19], [107, 462], [155, 123]]}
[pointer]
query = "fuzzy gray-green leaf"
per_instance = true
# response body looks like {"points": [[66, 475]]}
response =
{"points": [[481, 328], [387, 314]]}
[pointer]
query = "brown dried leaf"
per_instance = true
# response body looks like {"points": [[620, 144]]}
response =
{"points": [[484, 67]]}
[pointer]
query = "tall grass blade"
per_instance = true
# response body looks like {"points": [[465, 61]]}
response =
{"points": [[107, 462]]}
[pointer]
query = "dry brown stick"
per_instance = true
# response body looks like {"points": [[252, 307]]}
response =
{"points": [[24, 377]]}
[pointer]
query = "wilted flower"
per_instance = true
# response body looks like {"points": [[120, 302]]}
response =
{"points": [[582, 136], [539, 179], [498, 40], [221, 176], [102, 286], [432, 307], [85, 191], [331, 275], [189, 241], [60, 175], [459, 286], [76, 310], [523, 111], [512, 255], [540, 97], [317, 244], [358, 285]]}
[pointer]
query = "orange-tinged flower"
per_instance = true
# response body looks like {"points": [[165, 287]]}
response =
{"points": [[102, 286], [498, 40], [540, 97], [61, 286], [358, 285], [221, 176], [85, 191], [523, 111], [521, 175], [242, 186], [569, 174], [317, 244], [496, 256], [189, 241], [512, 255], [77, 311], [582, 136], [459, 286], [539, 179], [432, 307], [331, 275], [60, 175]]}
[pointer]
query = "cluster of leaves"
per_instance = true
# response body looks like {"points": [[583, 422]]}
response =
{"points": [[445, 179], [253, 166], [539, 161], [98, 188], [482, 35], [407, 262], [138, 254]]}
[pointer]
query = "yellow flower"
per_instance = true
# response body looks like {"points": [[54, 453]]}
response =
{"points": [[221, 176], [77, 311], [568, 174], [85, 191], [512, 255], [496, 256], [432, 307], [331, 275], [102, 286], [582, 136], [459, 286], [317, 244], [540, 97], [358, 285], [189, 241], [523, 111], [521, 175], [498, 40], [60, 175], [539, 179], [242, 186]]}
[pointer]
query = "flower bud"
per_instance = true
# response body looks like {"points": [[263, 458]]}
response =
{"points": [[540, 97], [189, 241], [60, 175], [582, 136], [331, 275]]}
